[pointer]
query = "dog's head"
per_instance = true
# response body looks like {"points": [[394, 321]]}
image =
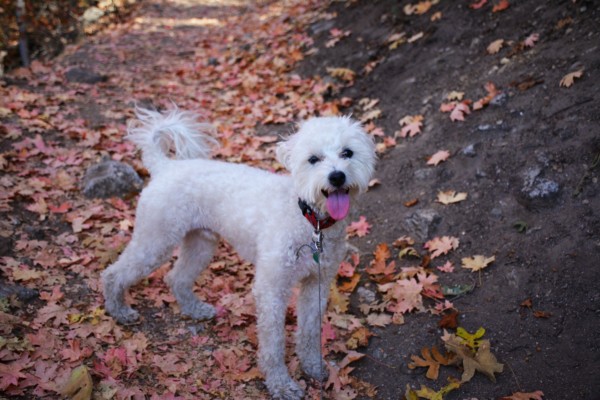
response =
{"points": [[331, 159]]}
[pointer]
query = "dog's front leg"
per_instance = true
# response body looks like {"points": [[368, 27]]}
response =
{"points": [[271, 292], [308, 335]]}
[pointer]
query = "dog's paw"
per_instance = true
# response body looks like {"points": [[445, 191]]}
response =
{"points": [[124, 315], [285, 390], [198, 310], [316, 370]]}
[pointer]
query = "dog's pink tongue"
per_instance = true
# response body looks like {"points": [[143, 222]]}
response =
{"points": [[338, 204]]}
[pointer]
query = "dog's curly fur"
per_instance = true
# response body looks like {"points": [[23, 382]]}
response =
{"points": [[192, 201]]}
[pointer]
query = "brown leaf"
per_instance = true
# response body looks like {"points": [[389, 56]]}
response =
{"points": [[537, 395], [569, 79], [449, 321], [432, 359]]}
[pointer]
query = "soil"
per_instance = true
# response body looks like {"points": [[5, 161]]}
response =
{"points": [[528, 161], [545, 129]]}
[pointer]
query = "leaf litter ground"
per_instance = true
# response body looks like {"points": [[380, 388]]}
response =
{"points": [[258, 68]]}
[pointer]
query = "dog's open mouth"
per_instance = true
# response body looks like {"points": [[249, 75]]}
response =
{"points": [[338, 203]]}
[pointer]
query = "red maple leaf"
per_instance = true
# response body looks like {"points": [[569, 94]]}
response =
{"points": [[359, 228]]}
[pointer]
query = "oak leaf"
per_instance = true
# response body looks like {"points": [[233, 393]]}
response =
{"points": [[359, 337], [569, 78], [438, 157], [450, 197], [477, 263], [432, 359], [483, 360]]}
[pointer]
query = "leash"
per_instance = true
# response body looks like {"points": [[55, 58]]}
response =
{"points": [[316, 248]]}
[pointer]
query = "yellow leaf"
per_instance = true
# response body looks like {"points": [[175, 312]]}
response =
{"points": [[477, 263], [79, 386], [455, 95], [451, 196], [569, 78], [429, 394], [338, 301], [483, 361], [470, 339]]}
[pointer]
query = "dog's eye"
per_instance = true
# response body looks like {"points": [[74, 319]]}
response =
{"points": [[313, 159], [347, 153]]}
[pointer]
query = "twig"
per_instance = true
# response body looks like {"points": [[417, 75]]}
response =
{"points": [[514, 376], [380, 362]]}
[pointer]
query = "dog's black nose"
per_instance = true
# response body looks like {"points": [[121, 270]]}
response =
{"points": [[337, 178]]}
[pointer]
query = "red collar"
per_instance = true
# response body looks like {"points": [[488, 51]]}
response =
{"points": [[311, 216]]}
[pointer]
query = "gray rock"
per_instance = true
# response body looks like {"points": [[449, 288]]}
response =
{"points": [[499, 100], [469, 151], [111, 179], [537, 191], [542, 188], [82, 75], [423, 173], [422, 223], [365, 294]]}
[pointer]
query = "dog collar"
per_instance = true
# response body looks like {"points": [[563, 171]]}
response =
{"points": [[311, 216]]}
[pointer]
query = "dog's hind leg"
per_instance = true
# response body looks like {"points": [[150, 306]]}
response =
{"points": [[142, 256], [195, 254]]}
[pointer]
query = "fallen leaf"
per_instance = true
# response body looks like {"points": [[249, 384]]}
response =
{"points": [[495, 46], [478, 5], [430, 394], [477, 263], [526, 303], [501, 6], [531, 39], [411, 125], [79, 386], [537, 395], [438, 157], [379, 320], [436, 16], [569, 78], [449, 320], [415, 37], [455, 95], [359, 228], [432, 359], [359, 337], [447, 267], [483, 360], [541, 314], [411, 203], [441, 245], [459, 111], [345, 74], [470, 339], [450, 197]]}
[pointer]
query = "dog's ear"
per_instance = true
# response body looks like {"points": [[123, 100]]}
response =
{"points": [[284, 152]]}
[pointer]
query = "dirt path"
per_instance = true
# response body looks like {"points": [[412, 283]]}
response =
{"points": [[528, 162]]}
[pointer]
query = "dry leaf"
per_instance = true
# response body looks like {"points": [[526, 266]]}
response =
{"points": [[501, 6], [478, 5], [436, 16], [495, 46], [537, 395], [455, 95], [432, 359], [483, 361], [379, 320], [477, 263], [439, 246], [459, 111], [531, 39], [569, 78], [450, 196], [438, 157], [345, 74], [411, 125], [79, 386]]}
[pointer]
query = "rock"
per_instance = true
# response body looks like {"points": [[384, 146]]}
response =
{"points": [[82, 75], [91, 15], [469, 151], [22, 293], [423, 173], [499, 100], [537, 190], [365, 294], [422, 223], [111, 179]]}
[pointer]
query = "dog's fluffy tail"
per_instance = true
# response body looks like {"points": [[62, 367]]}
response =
{"points": [[172, 132]]}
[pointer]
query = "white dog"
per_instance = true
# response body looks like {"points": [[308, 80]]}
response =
{"points": [[269, 219]]}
